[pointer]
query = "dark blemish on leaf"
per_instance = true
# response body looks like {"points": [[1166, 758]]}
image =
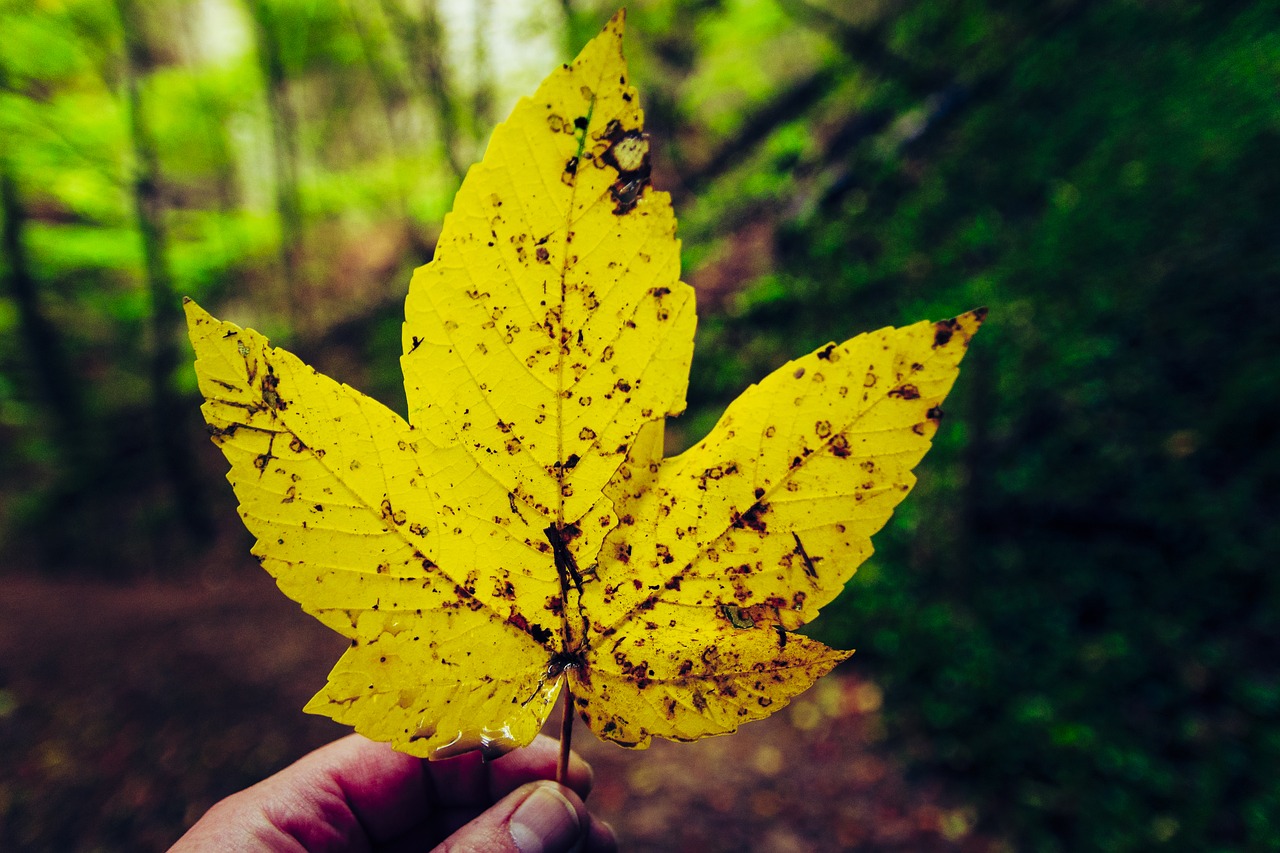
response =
{"points": [[586, 434], [840, 445], [628, 152], [934, 414], [799, 373], [759, 493], [870, 381], [270, 390], [809, 568], [388, 514], [825, 352], [822, 428], [918, 429], [417, 341], [942, 332], [752, 518], [543, 255], [905, 392], [566, 566], [737, 617]]}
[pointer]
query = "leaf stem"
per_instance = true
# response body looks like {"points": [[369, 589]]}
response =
{"points": [[566, 735]]}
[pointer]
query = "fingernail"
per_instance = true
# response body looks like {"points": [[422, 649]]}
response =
{"points": [[545, 823]]}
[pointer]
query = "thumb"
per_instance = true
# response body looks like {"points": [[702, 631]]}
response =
{"points": [[541, 817]]}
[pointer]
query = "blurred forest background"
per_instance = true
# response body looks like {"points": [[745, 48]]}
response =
{"points": [[1075, 619]]}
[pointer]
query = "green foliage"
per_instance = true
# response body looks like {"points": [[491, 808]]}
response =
{"points": [[1078, 617]]}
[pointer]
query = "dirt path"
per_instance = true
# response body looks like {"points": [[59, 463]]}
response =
{"points": [[126, 711]]}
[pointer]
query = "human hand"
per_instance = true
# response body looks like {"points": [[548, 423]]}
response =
{"points": [[358, 795]]}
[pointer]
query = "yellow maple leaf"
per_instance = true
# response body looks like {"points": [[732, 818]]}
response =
{"points": [[521, 532]]}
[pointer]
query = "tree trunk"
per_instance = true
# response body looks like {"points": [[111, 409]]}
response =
{"points": [[482, 97], [423, 46], [168, 417], [284, 137], [41, 342]]}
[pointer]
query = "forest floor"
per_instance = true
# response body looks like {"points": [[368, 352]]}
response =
{"points": [[126, 710]]}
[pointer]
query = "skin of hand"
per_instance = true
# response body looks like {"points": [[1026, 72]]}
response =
{"points": [[358, 795]]}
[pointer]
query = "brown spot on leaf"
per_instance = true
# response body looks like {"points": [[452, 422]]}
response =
{"points": [[271, 389], [628, 152], [942, 332], [388, 514], [752, 518]]}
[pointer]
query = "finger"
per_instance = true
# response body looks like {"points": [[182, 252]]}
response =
{"points": [[346, 794], [541, 817], [470, 781], [600, 838], [599, 835]]}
